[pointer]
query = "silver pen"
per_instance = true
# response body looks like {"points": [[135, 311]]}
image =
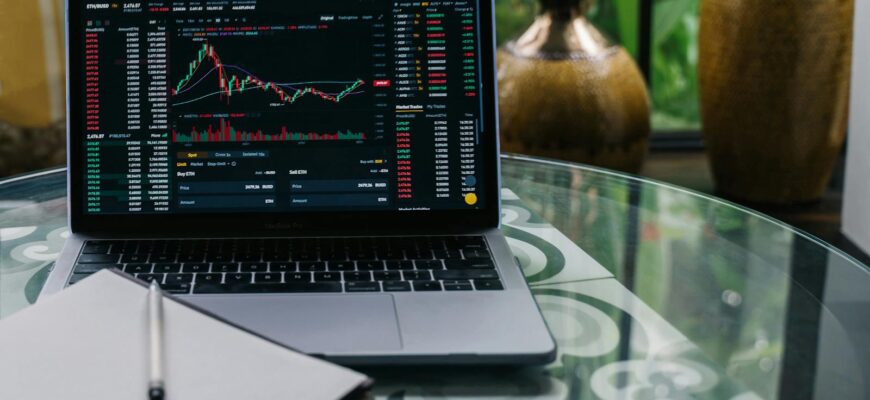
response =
{"points": [[155, 325]]}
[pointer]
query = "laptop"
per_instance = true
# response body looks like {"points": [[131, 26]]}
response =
{"points": [[323, 173]]}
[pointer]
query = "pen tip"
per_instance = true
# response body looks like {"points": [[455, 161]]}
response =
{"points": [[156, 394], [155, 285]]}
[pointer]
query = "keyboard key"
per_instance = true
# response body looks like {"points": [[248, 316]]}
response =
{"points": [[99, 259], [225, 267], [254, 267], [162, 258], [396, 286], [428, 264], [423, 254], [470, 241], [304, 257], [282, 267], [447, 254], [137, 268], [320, 287], [219, 257], [340, 265], [134, 258], [387, 275], [195, 267], [167, 268], [297, 277], [465, 274], [124, 248], [419, 254], [417, 275], [427, 286], [457, 285], [178, 278], [391, 255], [209, 278], [400, 265], [151, 277], [248, 257], [267, 278], [276, 257], [479, 263], [91, 268], [370, 265], [176, 288], [488, 284], [362, 287], [327, 276], [237, 278], [95, 248], [357, 276], [75, 278], [361, 254], [191, 258], [312, 266], [333, 255], [330, 253], [476, 253], [142, 248]]}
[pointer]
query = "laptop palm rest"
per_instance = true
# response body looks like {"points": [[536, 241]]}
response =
{"points": [[314, 324]]}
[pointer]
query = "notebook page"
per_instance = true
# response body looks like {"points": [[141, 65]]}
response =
{"points": [[90, 342]]}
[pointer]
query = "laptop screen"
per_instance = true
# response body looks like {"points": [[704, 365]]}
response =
{"points": [[280, 106]]}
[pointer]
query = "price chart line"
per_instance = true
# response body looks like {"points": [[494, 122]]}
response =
{"points": [[287, 85], [180, 103], [231, 83]]}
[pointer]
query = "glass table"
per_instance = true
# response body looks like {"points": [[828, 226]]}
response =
{"points": [[651, 291]]}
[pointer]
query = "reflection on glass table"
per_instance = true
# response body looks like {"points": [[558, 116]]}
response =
{"points": [[651, 291]]}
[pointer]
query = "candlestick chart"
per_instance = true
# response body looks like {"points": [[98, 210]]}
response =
{"points": [[296, 95], [232, 80]]}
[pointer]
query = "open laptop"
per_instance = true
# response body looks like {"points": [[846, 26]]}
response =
{"points": [[325, 173]]}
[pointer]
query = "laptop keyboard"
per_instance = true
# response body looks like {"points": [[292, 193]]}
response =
{"points": [[300, 265]]}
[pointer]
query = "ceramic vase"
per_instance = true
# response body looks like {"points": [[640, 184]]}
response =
{"points": [[774, 78], [566, 92]]}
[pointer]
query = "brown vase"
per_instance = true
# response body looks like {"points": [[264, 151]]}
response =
{"points": [[774, 78], [565, 92]]}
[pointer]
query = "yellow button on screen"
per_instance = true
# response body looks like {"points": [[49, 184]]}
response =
{"points": [[471, 199]]}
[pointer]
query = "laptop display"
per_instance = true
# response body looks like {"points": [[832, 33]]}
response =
{"points": [[280, 106]]}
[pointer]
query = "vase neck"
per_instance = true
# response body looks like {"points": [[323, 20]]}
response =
{"points": [[561, 31], [565, 9]]}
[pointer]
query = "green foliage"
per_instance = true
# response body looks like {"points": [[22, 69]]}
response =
{"points": [[512, 17], [675, 65], [674, 49], [618, 20], [628, 17]]}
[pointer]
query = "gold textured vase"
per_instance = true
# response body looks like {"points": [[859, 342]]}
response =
{"points": [[565, 92], [774, 79]]}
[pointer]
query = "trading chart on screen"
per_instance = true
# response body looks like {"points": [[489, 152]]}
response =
{"points": [[259, 105]]}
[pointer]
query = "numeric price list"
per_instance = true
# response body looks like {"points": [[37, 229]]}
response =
{"points": [[436, 71], [127, 154]]}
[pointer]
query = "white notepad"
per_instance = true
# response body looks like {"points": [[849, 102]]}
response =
{"points": [[90, 342]]}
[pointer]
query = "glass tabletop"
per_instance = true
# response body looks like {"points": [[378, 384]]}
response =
{"points": [[651, 291]]}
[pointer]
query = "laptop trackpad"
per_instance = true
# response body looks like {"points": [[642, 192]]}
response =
{"points": [[317, 324]]}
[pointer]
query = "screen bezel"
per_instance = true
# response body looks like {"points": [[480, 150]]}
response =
{"points": [[283, 223]]}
